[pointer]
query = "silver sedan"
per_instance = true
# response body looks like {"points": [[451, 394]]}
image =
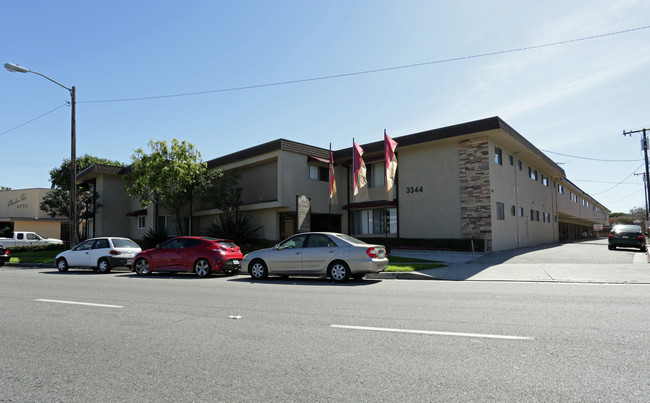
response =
{"points": [[335, 255]]}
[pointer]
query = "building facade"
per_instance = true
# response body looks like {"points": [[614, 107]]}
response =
{"points": [[479, 180], [21, 208]]}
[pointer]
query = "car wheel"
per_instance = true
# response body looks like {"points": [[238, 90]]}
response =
{"points": [[644, 249], [202, 268], [142, 267], [258, 270], [612, 247], [62, 265], [103, 266], [339, 272]]}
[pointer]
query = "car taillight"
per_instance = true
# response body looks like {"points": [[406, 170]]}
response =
{"points": [[640, 236], [371, 252], [114, 252], [7, 251], [611, 235]]}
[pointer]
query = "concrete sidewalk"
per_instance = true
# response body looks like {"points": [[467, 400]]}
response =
{"points": [[517, 266]]}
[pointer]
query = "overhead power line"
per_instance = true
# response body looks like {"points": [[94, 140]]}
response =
{"points": [[357, 73], [36, 118], [590, 159]]}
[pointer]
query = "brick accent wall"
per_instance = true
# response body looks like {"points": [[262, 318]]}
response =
{"points": [[475, 209]]}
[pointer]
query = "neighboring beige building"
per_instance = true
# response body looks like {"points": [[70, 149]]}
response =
{"points": [[22, 208], [480, 180]]}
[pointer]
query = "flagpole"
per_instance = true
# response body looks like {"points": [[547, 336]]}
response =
{"points": [[350, 223], [329, 207]]}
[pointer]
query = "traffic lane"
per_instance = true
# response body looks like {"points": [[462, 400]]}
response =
{"points": [[284, 344]]}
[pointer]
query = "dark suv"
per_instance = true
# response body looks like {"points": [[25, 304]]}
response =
{"points": [[627, 236]]}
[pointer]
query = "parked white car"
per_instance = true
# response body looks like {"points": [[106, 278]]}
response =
{"points": [[99, 254]]}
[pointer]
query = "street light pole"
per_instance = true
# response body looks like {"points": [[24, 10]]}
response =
{"points": [[14, 68]]}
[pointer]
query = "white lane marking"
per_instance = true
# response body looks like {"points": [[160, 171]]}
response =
{"points": [[382, 329], [78, 303]]}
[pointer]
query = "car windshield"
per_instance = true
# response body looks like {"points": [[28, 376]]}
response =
{"points": [[627, 228], [124, 243], [351, 239]]}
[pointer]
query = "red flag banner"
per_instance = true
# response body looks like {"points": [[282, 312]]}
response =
{"points": [[391, 165], [360, 183], [332, 179]]}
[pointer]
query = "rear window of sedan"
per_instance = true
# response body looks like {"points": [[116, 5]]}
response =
{"points": [[124, 243], [627, 228]]}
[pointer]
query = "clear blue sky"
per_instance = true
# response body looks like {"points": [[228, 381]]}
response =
{"points": [[571, 100]]}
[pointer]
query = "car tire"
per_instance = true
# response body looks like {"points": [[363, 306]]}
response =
{"points": [[202, 268], [62, 265], [258, 270], [339, 272], [610, 247], [103, 266], [142, 267]]}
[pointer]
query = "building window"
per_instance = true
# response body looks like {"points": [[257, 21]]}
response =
{"points": [[142, 220], [501, 215], [560, 189], [511, 159], [546, 217], [498, 156], [544, 180], [534, 215], [532, 173], [513, 211], [375, 175], [373, 221], [519, 165], [521, 211], [318, 173]]}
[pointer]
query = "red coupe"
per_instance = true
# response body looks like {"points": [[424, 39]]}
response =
{"points": [[200, 255]]}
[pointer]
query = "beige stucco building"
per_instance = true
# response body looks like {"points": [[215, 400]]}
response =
{"points": [[480, 180], [22, 208]]}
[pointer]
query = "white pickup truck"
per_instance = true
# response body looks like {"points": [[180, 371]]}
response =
{"points": [[25, 238]]}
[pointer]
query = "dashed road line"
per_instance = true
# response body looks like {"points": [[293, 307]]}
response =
{"points": [[78, 303], [434, 333]]}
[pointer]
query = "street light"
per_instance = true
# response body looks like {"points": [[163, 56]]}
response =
{"points": [[14, 68]]}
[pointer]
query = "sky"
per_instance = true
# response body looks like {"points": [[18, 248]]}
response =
{"points": [[228, 75]]}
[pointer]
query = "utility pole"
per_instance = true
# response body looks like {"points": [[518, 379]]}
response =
{"points": [[644, 144]]}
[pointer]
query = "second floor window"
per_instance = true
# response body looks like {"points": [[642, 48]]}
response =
{"points": [[318, 173]]}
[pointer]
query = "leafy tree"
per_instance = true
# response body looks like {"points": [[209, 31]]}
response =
{"points": [[231, 224], [4, 188], [57, 202], [226, 192], [60, 176], [171, 175], [638, 214]]}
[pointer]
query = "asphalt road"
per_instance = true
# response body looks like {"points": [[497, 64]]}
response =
{"points": [[181, 338]]}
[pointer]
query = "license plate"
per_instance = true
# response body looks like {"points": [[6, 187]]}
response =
{"points": [[129, 261], [235, 262], [625, 237]]}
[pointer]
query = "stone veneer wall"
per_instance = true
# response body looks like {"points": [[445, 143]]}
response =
{"points": [[475, 209]]}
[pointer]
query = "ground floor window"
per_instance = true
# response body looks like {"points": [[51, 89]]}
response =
{"points": [[374, 221], [142, 221], [166, 222]]}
